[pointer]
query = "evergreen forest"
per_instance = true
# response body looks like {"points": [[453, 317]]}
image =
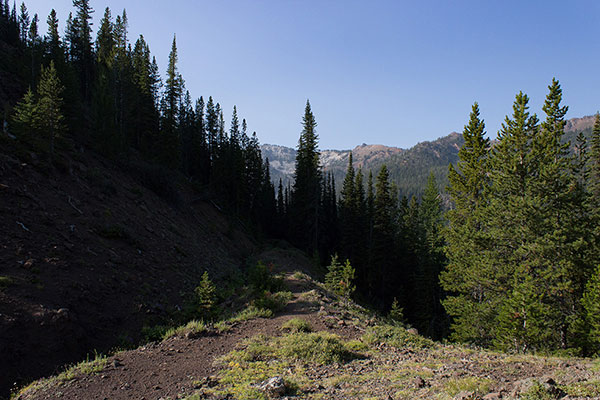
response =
{"points": [[513, 264]]}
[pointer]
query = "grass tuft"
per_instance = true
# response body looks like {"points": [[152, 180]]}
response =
{"points": [[193, 327], [295, 325], [6, 281], [251, 312], [479, 386], [396, 336]]}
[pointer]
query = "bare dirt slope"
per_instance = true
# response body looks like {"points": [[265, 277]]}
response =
{"points": [[89, 253]]}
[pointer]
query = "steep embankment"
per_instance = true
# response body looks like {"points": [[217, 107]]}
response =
{"points": [[91, 253], [317, 347]]}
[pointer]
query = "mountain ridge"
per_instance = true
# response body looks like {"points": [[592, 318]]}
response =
{"points": [[409, 167]]}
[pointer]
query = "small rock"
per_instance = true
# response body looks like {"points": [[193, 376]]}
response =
{"points": [[419, 382], [273, 387], [464, 396], [413, 331], [492, 396], [29, 263], [193, 335]]}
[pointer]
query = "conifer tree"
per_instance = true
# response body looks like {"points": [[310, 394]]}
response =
{"points": [[81, 45], [24, 22], [26, 116], [306, 193], [49, 106], [430, 318], [464, 277], [384, 236], [348, 212], [591, 304], [54, 50], [169, 153]]}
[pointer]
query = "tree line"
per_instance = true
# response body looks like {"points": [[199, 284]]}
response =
{"points": [[108, 94], [514, 264], [522, 239]]}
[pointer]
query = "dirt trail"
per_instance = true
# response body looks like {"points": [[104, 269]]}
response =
{"points": [[178, 366]]}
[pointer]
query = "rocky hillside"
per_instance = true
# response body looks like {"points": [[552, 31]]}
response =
{"points": [[91, 253], [314, 346], [409, 168]]}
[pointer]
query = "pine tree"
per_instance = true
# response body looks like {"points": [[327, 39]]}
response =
{"points": [[81, 45], [306, 192], [170, 154], [104, 100], [591, 304], [384, 237], [145, 116], [24, 22], [348, 212], [26, 117], [464, 276], [430, 315], [49, 106], [339, 278], [206, 296], [54, 50]]}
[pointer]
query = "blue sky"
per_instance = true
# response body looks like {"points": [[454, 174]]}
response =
{"points": [[389, 72]]}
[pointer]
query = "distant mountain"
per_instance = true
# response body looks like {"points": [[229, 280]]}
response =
{"points": [[409, 168], [576, 125]]}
